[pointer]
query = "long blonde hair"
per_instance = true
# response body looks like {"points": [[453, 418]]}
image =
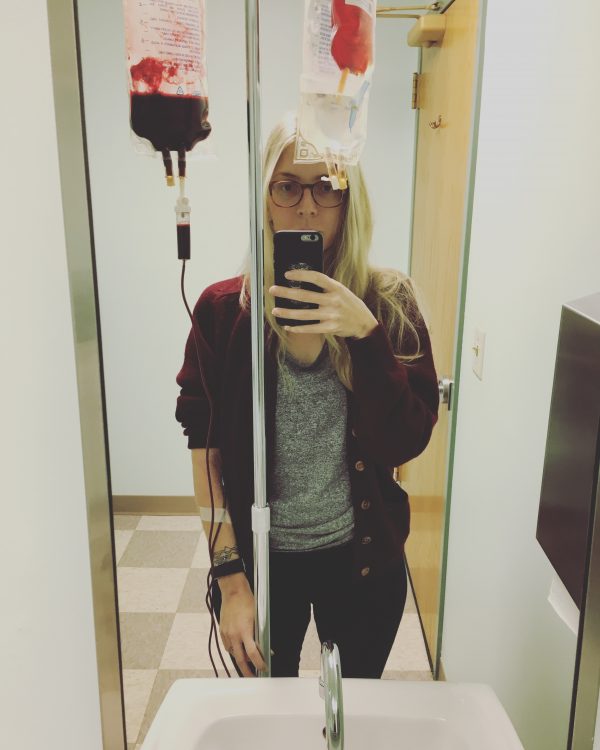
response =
{"points": [[387, 292]]}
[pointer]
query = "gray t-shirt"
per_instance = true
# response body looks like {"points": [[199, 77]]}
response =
{"points": [[311, 503]]}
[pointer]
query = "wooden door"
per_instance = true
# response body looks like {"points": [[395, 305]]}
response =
{"points": [[445, 101]]}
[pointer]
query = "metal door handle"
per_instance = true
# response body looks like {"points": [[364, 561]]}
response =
{"points": [[445, 386]]}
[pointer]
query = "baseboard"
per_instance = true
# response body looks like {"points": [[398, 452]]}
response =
{"points": [[155, 505]]}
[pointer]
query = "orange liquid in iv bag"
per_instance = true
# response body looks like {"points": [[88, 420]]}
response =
{"points": [[172, 122]]}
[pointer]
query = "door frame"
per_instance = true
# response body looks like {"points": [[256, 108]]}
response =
{"points": [[461, 295]]}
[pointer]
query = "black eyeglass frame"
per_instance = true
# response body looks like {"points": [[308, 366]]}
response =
{"points": [[304, 185]]}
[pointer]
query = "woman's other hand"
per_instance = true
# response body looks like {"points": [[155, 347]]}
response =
{"points": [[340, 311], [237, 623]]}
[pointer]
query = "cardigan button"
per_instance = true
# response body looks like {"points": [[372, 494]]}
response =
{"points": [[365, 571], [366, 540], [365, 505], [359, 466]]}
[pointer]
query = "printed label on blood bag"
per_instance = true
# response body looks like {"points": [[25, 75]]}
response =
{"points": [[317, 57], [369, 6], [165, 46]]}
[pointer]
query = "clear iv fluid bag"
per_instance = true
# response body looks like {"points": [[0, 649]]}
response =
{"points": [[167, 73]]}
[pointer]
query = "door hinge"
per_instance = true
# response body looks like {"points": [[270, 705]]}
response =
{"points": [[415, 91]]}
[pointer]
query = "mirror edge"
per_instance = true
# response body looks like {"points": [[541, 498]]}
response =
{"points": [[77, 217]]}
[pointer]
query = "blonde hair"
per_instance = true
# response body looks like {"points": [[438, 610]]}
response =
{"points": [[387, 292]]}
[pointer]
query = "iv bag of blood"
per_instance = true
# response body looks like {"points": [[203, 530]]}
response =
{"points": [[352, 41], [167, 73]]}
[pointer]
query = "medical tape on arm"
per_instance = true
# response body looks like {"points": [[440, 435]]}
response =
{"points": [[221, 515]]}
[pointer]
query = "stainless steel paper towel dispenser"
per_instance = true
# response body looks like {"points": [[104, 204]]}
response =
{"points": [[573, 445]]}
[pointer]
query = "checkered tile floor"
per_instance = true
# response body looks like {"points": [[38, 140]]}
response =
{"points": [[162, 564]]}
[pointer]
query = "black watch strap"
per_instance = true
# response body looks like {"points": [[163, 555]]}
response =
{"points": [[228, 568]]}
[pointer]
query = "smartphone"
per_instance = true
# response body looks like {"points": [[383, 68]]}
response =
{"points": [[297, 249]]}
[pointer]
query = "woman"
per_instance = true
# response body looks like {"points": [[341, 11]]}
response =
{"points": [[347, 399]]}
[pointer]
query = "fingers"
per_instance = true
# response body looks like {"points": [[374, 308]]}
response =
{"points": [[254, 654], [246, 652], [315, 277], [299, 314], [303, 295], [241, 659]]}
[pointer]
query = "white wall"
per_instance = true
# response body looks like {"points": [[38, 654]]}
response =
{"points": [[144, 322], [534, 246], [49, 689]]}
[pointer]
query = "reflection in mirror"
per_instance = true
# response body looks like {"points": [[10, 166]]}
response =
{"points": [[160, 539], [160, 535]]}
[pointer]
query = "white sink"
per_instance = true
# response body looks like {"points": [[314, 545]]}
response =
{"points": [[286, 713]]}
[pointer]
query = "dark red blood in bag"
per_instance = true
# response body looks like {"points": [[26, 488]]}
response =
{"points": [[352, 43], [168, 121]]}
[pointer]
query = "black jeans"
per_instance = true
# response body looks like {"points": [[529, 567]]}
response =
{"points": [[362, 617]]}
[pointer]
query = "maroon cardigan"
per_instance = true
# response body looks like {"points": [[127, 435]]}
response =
{"points": [[391, 414]]}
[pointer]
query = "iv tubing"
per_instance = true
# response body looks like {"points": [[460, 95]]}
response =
{"points": [[260, 509]]}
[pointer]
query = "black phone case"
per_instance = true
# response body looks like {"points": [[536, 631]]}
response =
{"points": [[296, 249]]}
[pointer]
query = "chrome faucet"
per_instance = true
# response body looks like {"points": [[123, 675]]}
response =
{"points": [[330, 689]]}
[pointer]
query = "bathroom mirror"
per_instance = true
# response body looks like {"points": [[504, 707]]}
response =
{"points": [[160, 553], [162, 559]]}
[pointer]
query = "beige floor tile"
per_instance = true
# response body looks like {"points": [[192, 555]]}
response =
{"points": [[187, 646], [160, 549], [170, 523], [408, 652], [201, 556], [310, 656], [143, 638], [137, 686], [164, 679], [122, 537], [150, 589], [121, 521], [194, 592], [410, 607]]}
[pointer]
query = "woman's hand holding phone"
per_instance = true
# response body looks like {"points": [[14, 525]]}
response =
{"points": [[340, 311]]}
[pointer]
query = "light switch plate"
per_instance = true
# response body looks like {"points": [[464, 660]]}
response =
{"points": [[478, 351]]}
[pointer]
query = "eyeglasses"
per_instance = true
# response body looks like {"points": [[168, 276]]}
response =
{"points": [[288, 193]]}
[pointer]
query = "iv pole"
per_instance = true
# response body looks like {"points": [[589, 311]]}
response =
{"points": [[260, 509]]}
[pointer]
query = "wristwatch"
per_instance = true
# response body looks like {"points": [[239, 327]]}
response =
{"points": [[228, 568]]}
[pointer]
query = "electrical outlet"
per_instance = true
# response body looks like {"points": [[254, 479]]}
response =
{"points": [[478, 349]]}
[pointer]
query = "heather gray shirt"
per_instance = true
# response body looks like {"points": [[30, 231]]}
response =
{"points": [[311, 504]]}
